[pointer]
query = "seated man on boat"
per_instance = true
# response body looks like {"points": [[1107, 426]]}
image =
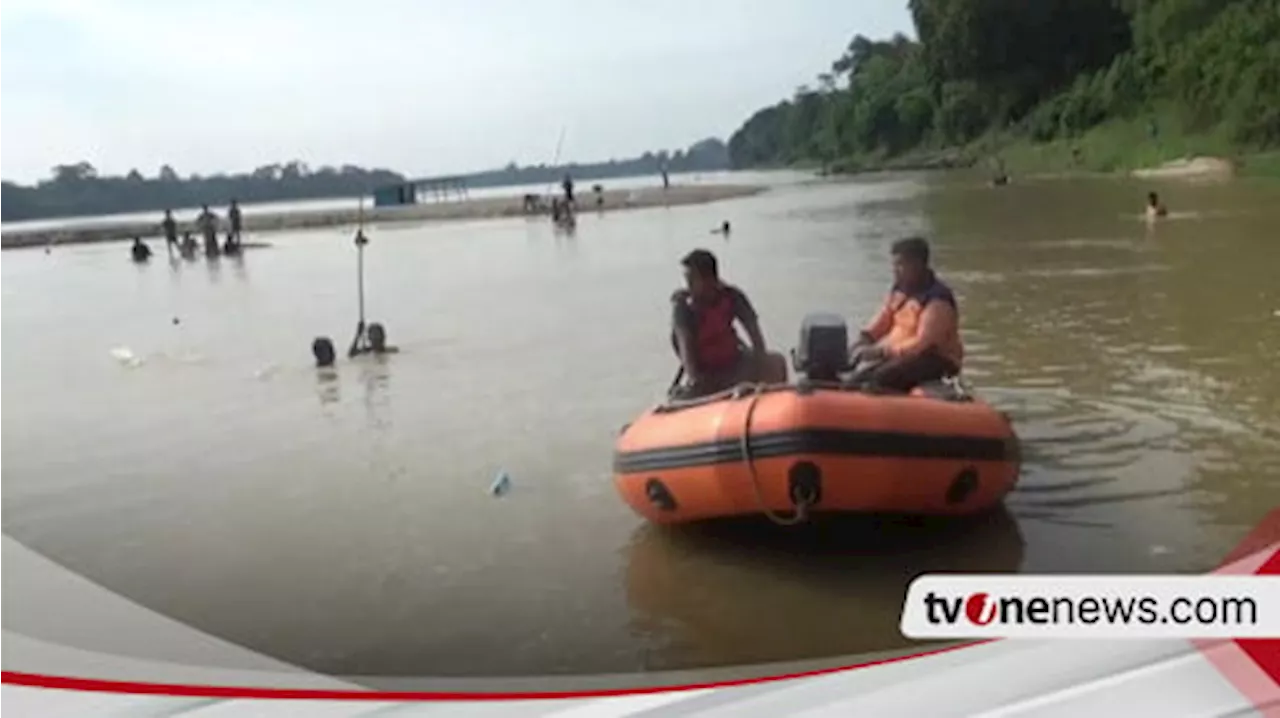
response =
{"points": [[915, 337], [712, 356]]}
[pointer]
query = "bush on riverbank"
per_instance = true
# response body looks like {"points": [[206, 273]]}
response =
{"points": [[1063, 84]]}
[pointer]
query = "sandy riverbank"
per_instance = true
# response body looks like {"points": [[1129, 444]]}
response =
{"points": [[488, 208], [1189, 168]]}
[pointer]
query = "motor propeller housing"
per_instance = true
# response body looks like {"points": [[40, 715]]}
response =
{"points": [[823, 352]]}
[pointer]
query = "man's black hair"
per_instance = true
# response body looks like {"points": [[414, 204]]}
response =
{"points": [[703, 263], [322, 349], [912, 248]]}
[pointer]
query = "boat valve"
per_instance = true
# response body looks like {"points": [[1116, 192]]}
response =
{"points": [[965, 483], [804, 481], [659, 495]]}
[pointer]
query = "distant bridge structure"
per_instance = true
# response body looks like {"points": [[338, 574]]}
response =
{"points": [[430, 189]]}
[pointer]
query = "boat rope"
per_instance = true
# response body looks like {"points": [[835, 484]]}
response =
{"points": [[801, 513]]}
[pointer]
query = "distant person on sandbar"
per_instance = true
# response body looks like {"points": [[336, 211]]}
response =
{"points": [[374, 341], [170, 229], [1155, 208], [599, 191], [188, 246], [567, 184], [666, 179], [233, 216], [208, 223], [140, 251]]}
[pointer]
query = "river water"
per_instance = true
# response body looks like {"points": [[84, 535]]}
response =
{"points": [[168, 438]]}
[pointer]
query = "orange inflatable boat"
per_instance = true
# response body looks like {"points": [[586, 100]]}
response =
{"points": [[816, 445]]}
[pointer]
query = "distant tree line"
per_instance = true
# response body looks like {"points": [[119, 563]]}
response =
{"points": [[1042, 69], [705, 156], [78, 189]]}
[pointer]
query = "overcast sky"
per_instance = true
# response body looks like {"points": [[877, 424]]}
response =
{"points": [[420, 86]]}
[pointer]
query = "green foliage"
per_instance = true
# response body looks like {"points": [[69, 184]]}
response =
{"points": [[78, 189], [962, 114], [1047, 70]]}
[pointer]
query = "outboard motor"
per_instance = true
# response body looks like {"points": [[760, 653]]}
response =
{"points": [[824, 347]]}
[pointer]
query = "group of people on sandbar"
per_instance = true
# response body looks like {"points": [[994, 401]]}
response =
{"points": [[207, 224], [562, 208], [912, 340]]}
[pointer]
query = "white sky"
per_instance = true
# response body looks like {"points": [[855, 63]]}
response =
{"points": [[424, 87]]}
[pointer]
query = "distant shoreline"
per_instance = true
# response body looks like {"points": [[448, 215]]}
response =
{"points": [[487, 208]]}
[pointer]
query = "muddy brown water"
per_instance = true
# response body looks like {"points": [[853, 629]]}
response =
{"points": [[166, 436]]}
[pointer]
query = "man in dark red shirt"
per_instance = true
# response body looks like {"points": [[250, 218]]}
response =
{"points": [[703, 315]]}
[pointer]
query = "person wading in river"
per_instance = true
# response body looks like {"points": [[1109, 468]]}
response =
{"points": [[375, 341], [170, 229], [915, 337], [233, 216], [712, 355], [1155, 209], [208, 223], [567, 186]]}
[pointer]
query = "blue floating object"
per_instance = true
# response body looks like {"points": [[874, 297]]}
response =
{"points": [[500, 485]]}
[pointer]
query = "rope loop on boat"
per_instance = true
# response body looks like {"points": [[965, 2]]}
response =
{"points": [[802, 503]]}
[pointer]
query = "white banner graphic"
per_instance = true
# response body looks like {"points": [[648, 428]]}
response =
{"points": [[1145, 607]]}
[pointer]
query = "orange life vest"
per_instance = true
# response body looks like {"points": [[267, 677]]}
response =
{"points": [[907, 308]]}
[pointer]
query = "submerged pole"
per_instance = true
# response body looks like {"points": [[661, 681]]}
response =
{"points": [[361, 241]]}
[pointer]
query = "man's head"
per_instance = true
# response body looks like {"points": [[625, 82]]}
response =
{"points": [[168, 213], [910, 261], [233, 201], [204, 207], [1153, 199], [322, 350], [701, 273], [377, 337]]}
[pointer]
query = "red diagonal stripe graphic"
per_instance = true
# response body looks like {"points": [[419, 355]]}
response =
{"points": [[1265, 651], [1253, 665]]}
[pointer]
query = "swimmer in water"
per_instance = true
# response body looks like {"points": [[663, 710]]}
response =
{"points": [[140, 251], [375, 341], [322, 350], [1155, 208]]}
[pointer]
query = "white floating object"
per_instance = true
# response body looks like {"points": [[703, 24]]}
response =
{"points": [[500, 485], [125, 356]]}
